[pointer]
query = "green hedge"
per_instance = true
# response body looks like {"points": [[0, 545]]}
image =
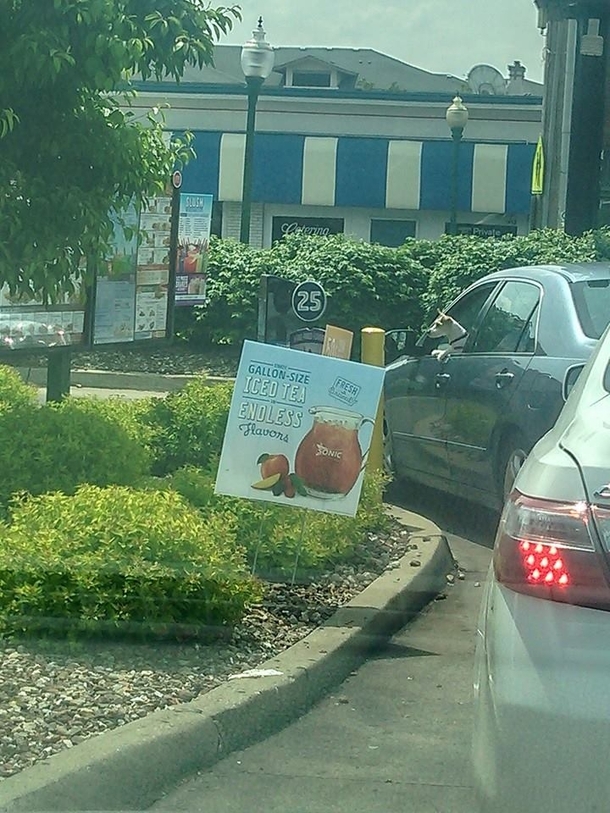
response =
{"points": [[121, 555], [368, 284], [456, 262]]}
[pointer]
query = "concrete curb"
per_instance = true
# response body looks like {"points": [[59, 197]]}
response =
{"points": [[131, 767], [102, 379]]}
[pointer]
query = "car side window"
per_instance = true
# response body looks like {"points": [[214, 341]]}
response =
{"points": [[510, 323], [527, 343], [467, 309]]}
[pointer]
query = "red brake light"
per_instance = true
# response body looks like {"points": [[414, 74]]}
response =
{"points": [[546, 549], [543, 564]]}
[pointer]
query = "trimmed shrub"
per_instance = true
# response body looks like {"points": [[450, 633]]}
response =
{"points": [[57, 447], [368, 285], [119, 554], [14, 392], [187, 427], [271, 534]]}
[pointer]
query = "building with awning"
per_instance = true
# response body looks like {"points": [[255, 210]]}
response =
{"points": [[354, 141]]}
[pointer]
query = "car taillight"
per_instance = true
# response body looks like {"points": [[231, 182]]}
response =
{"points": [[547, 549]]}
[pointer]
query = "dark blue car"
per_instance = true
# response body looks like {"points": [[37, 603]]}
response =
{"points": [[464, 424]]}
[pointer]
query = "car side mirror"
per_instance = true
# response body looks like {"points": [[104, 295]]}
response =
{"points": [[570, 379], [400, 343]]}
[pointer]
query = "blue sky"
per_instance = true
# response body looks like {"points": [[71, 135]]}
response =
{"points": [[444, 36]]}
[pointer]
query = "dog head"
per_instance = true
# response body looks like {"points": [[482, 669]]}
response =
{"points": [[441, 326]]}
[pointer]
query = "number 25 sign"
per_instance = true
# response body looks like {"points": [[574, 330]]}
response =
{"points": [[309, 301]]}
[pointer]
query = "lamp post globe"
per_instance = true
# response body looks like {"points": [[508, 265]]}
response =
{"points": [[257, 59], [456, 117], [457, 114], [257, 55]]}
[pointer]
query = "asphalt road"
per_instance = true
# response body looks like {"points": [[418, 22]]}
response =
{"points": [[395, 736]]}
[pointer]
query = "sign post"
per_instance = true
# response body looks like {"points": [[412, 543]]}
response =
{"points": [[173, 257], [58, 372]]}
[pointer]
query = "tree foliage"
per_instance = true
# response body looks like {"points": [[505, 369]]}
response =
{"points": [[70, 149]]}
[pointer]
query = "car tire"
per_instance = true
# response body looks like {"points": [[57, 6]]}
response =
{"points": [[513, 451]]}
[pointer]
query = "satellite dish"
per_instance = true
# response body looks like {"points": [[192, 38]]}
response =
{"points": [[486, 81]]}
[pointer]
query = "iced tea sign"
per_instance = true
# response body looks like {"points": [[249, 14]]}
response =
{"points": [[299, 429]]}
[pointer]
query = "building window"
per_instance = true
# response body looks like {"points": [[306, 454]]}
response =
{"points": [[216, 225], [392, 233], [309, 79]]}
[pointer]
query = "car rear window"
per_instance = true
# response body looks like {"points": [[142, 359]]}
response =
{"points": [[592, 301]]}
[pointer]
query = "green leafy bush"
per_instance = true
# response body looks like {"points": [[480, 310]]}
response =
{"points": [[187, 427], [368, 285], [273, 534], [57, 447], [456, 262], [14, 392], [119, 554]]}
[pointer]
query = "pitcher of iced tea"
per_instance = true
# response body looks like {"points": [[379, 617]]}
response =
{"points": [[329, 458]]}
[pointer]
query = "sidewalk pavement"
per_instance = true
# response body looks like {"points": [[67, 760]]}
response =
{"points": [[130, 767]]}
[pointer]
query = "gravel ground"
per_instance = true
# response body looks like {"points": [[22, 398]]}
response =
{"points": [[56, 693]]}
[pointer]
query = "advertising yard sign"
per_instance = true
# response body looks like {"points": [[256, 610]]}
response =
{"points": [[299, 429]]}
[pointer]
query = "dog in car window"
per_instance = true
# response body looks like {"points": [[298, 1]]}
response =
{"points": [[445, 327]]}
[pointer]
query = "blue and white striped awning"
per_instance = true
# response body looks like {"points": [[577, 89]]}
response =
{"points": [[376, 173]]}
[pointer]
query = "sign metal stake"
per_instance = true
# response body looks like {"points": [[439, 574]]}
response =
{"points": [[259, 543], [299, 547]]}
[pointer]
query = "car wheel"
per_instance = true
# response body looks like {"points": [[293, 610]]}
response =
{"points": [[513, 452]]}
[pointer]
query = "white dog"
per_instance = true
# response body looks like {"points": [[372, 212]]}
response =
{"points": [[446, 327]]}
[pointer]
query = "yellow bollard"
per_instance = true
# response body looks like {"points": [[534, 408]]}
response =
{"points": [[373, 352]]}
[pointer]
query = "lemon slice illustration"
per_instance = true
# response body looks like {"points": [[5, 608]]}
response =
{"points": [[268, 482]]}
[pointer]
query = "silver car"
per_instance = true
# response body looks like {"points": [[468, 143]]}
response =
{"points": [[542, 673]]}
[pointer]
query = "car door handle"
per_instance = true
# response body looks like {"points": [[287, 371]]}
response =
{"points": [[504, 378], [442, 379]]}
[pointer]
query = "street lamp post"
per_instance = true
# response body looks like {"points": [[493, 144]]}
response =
{"points": [[257, 59], [457, 119]]}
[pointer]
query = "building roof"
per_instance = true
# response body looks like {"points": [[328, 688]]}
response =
{"points": [[358, 68]]}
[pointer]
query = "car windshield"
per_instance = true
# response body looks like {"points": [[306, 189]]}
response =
{"points": [[592, 301]]}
